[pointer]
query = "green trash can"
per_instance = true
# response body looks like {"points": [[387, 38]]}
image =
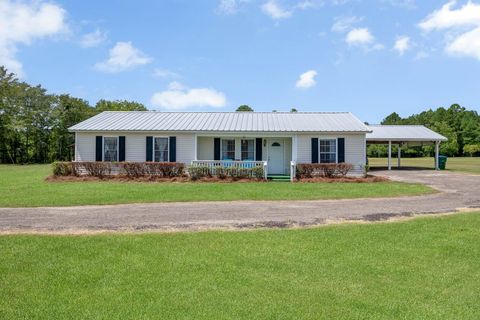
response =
{"points": [[442, 162]]}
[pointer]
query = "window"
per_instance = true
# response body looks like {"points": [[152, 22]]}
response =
{"points": [[160, 149], [328, 151], [110, 149], [228, 149], [248, 150]]}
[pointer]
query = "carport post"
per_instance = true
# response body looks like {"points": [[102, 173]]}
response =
{"points": [[389, 155], [437, 151], [399, 154]]}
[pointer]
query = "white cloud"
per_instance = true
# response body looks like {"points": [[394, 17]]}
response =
{"points": [[178, 97], [275, 11], [444, 18], [93, 39], [309, 4], [459, 41], [24, 22], [342, 24], [359, 36], [164, 73], [229, 7], [467, 44], [123, 56], [306, 80], [402, 45], [407, 4]]}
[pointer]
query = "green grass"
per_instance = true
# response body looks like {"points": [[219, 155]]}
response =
{"points": [[462, 164], [24, 186], [426, 268]]}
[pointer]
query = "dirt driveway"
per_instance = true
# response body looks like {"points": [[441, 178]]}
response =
{"points": [[458, 191]]}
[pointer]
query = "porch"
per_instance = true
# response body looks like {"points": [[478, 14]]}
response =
{"points": [[273, 154]]}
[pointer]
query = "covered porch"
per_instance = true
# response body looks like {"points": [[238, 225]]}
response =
{"points": [[273, 153], [403, 136]]}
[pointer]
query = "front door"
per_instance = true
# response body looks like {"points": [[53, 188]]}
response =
{"points": [[276, 157]]}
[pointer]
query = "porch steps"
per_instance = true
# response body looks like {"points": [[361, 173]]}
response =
{"points": [[278, 178]]}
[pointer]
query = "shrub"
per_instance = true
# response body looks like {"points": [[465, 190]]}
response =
{"points": [[165, 169], [197, 172], [327, 170], [235, 173], [63, 168], [134, 169], [97, 169]]}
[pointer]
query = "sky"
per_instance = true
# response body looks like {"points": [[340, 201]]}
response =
{"points": [[369, 57]]}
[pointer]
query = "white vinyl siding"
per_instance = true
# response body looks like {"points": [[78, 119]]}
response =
{"points": [[135, 145], [354, 149], [205, 148]]}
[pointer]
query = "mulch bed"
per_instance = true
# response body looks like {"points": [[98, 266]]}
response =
{"points": [[122, 178], [366, 179]]}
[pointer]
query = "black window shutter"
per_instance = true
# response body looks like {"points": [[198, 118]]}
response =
{"points": [[172, 152], [98, 148], [258, 149], [341, 150], [149, 156], [216, 149], [314, 150], [121, 148]]}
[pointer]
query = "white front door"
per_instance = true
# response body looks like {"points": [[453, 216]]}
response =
{"points": [[276, 157]]}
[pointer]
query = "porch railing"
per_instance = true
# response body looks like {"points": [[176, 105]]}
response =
{"points": [[212, 165]]}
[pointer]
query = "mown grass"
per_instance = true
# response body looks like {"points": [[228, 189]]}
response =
{"points": [[459, 164], [426, 268], [24, 186]]}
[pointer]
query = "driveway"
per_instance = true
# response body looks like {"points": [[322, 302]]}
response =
{"points": [[458, 191]]}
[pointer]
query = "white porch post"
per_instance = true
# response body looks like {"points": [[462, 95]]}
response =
{"points": [[399, 154], [195, 147], [437, 152], [389, 155]]}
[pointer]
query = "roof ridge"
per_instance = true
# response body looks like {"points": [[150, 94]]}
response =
{"points": [[231, 112]]}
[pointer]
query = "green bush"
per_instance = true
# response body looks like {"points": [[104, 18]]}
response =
{"points": [[63, 168], [235, 173], [197, 172]]}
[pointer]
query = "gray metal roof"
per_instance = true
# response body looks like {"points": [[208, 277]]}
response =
{"points": [[402, 133], [222, 121]]}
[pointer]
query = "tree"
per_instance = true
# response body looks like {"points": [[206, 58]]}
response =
{"points": [[392, 118], [119, 105], [293, 110], [471, 149], [68, 112], [244, 108]]}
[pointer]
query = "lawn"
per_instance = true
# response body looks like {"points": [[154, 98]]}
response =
{"points": [[24, 186], [426, 268], [460, 164]]}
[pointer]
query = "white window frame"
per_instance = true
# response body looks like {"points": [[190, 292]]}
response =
{"points": [[103, 147], [254, 148], [168, 148], [234, 149], [320, 152]]}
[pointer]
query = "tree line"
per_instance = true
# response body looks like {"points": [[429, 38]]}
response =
{"points": [[34, 124], [459, 125]]}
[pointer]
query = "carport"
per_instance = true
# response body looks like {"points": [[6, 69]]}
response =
{"points": [[404, 136]]}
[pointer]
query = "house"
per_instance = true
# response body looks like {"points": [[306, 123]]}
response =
{"points": [[275, 140]]}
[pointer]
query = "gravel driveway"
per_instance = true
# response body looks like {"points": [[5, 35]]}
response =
{"points": [[458, 191]]}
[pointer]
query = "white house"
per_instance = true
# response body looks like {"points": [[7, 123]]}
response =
{"points": [[276, 140]]}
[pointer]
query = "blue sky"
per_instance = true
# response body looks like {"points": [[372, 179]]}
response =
{"points": [[368, 57]]}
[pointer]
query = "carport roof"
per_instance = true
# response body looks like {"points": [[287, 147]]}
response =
{"points": [[402, 133]]}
